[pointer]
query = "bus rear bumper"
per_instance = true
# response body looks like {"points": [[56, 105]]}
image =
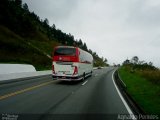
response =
{"points": [[67, 78]]}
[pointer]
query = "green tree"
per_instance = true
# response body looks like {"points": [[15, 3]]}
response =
{"points": [[18, 3], [25, 7], [46, 22], [84, 47], [53, 26], [135, 59], [80, 43], [126, 62], [105, 60]]}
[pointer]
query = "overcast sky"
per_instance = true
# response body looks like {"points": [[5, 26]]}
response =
{"points": [[115, 29]]}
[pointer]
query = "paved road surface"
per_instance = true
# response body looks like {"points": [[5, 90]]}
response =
{"points": [[44, 98]]}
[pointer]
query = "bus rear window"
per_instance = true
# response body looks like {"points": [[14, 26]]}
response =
{"points": [[65, 51]]}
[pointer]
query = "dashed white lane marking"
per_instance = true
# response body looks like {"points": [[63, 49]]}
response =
{"points": [[85, 82], [124, 102]]}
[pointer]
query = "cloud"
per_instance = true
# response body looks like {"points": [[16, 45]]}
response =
{"points": [[54, 10]]}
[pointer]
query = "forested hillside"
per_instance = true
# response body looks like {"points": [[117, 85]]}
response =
{"points": [[25, 38]]}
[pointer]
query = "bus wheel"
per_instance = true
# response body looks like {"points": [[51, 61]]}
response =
{"points": [[83, 77], [91, 73]]}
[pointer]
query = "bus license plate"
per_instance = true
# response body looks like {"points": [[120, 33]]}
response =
{"points": [[60, 74]]}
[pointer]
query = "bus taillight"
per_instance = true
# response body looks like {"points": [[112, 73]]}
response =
{"points": [[75, 70], [53, 71]]}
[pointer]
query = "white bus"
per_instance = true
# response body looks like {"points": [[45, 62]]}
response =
{"points": [[71, 63]]}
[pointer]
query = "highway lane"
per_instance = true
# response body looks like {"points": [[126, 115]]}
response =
{"points": [[44, 98]]}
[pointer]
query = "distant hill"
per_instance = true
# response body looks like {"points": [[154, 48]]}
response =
{"points": [[25, 38]]}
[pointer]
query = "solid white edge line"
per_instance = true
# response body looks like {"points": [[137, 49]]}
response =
{"points": [[85, 82], [123, 100]]}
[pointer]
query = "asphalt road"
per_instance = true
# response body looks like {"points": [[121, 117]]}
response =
{"points": [[43, 98]]}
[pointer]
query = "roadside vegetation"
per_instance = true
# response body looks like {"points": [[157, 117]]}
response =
{"points": [[143, 84], [25, 38], [15, 49]]}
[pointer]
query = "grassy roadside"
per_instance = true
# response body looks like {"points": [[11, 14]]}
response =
{"points": [[144, 92], [14, 49]]}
